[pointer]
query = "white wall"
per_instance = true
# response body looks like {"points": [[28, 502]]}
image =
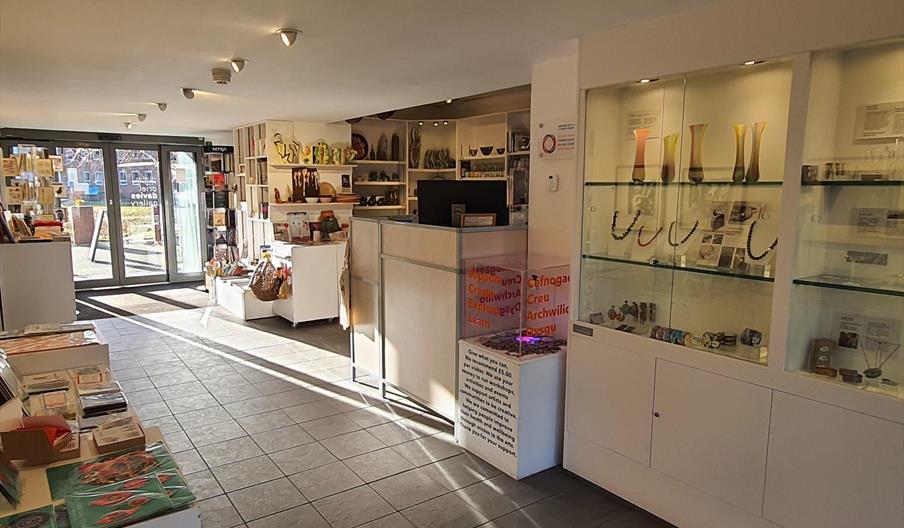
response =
{"points": [[551, 222]]}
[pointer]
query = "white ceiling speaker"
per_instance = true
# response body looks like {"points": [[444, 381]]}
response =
{"points": [[237, 64], [287, 36], [127, 125], [141, 117], [161, 107], [221, 75], [188, 93]]}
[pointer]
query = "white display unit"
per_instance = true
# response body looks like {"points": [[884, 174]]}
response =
{"points": [[235, 295], [735, 436], [36, 284], [315, 274]]}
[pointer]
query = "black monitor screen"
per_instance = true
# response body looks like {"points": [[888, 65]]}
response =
{"points": [[436, 197]]}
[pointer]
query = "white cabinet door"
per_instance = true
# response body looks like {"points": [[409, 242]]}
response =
{"points": [[830, 467], [711, 432], [609, 397]]}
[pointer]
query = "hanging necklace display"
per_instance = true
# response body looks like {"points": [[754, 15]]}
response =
{"points": [[628, 230], [762, 255], [648, 242], [685, 239]]}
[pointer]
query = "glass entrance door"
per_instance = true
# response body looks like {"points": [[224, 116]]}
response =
{"points": [[184, 188], [142, 233]]}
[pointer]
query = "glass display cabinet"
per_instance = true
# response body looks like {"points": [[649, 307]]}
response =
{"points": [[848, 292], [682, 197]]}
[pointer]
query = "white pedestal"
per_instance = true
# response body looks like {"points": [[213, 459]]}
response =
{"points": [[235, 296], [36, 284], [510, 411]]}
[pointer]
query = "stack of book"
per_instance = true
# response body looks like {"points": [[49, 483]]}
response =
{"points": [[46, 382], [105, 403]]}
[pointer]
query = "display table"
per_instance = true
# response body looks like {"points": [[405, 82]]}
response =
{"points": [[35, 489], [48, 353], [235, 295], [36, 284], [419, 300], [510, 409]]}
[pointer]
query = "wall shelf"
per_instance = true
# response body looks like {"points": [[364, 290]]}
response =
{"points": [[379, 162], [379, 183], [334, 167]]}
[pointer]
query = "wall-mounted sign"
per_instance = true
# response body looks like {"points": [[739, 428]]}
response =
{"points": [[880, 121], [558, 139]]}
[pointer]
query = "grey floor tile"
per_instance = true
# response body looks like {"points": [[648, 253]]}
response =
{"points": [[149, 411], [201, 417], [460, 471], [208, 371], [326, 480], [276, 386], [235, 393], [203, 485], [302, 458], [189, 461], [214, 433], [396, 520], [182, 390], [224, 382], [218, 512], [265, 421], [177, 441], [229, 451], [173, 378], [143, 396], [409, 488], [352, 508], [135, 384], [499, 495], [246, 473], [378, 464], [130, 374], [292, 397], [249, 407], [428, 450], [352, 444], [282, 438], [401, 431], [167, 424], [330, 426], [635, 519], [266, 499], [311, 411], [579, 510], [446, 511], [194, 402], [301, 517], [379, 414]]}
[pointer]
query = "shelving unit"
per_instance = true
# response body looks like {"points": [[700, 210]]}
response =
{"points": [[367, 171], [221, 202]]}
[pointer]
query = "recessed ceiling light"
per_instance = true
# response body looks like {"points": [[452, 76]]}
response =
{"points": [[237, 64], [420, 123], [127, 125], [287, 35], [161, 107], [435, 123], [448, 101], [445, 122], [647, 81], [752, 62], [188, 93]]}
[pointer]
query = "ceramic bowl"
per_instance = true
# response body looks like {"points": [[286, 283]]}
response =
{"points": [[486, 151], [500, 150], [326, 199], [472, 152], [312, 199]]}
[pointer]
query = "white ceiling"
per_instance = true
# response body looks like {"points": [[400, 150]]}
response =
{"points": [[76, 64]]}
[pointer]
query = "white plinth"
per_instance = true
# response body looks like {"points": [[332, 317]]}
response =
{"points": [[510, 411]]}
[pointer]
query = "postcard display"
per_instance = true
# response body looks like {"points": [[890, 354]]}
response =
{"points": [[510, 404], [715, 266]]}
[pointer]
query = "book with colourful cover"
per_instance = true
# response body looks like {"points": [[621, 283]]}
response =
{"points": [[118, 504], [37, 518]]}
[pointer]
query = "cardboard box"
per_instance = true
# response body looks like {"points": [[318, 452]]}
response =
{"points": [[117, 438], [32, 445]]}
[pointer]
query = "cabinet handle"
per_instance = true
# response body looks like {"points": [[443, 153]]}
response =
{"points": [[656, 414]]}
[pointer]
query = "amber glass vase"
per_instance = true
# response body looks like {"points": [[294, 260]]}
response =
{"points": [[669, 144], [640, 146], [695, 167], [737, 175], [753, 170]]}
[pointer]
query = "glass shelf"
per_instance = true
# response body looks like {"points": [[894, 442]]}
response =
{"points": [[662, 265], [854, 183], [857, 285], [683, 183]]}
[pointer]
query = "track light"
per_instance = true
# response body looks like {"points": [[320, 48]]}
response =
{"points": [[448, 101], [287, 35], [647, 81], [752, 62], [161, 107], [141, 117], [188, 93], [128, 125], [237, 64]]}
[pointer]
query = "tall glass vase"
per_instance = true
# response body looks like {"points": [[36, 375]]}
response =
{"points": [[695, 168], [740, 132], [669, 143], [753, 170], [640, 145]]}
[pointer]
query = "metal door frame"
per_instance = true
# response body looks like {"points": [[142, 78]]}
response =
{"points": [[167, 190]]}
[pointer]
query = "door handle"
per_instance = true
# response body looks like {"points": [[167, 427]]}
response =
{"points": [[109, 202]]}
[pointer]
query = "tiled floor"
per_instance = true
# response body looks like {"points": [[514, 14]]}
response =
{"points": [[271, 433]]}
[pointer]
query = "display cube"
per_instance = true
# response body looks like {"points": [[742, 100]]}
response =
{"points": [[510, 404]]}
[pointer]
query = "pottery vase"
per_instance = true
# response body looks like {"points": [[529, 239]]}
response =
{"points": [[753, 170], [669, 144], [640, 144], [695, 168], [740, 132]]}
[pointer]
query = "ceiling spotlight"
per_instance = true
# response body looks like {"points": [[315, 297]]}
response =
{"points": [[237, 64], [448, 101], [188, 93], [435, 123], [647, 81], [445, 122], [142, 117], [420, 123], [287, 35], [161, 107], [127, 125], [752, 62]]}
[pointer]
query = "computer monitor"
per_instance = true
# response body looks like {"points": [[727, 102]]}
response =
{"points": [[436, 197]]}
